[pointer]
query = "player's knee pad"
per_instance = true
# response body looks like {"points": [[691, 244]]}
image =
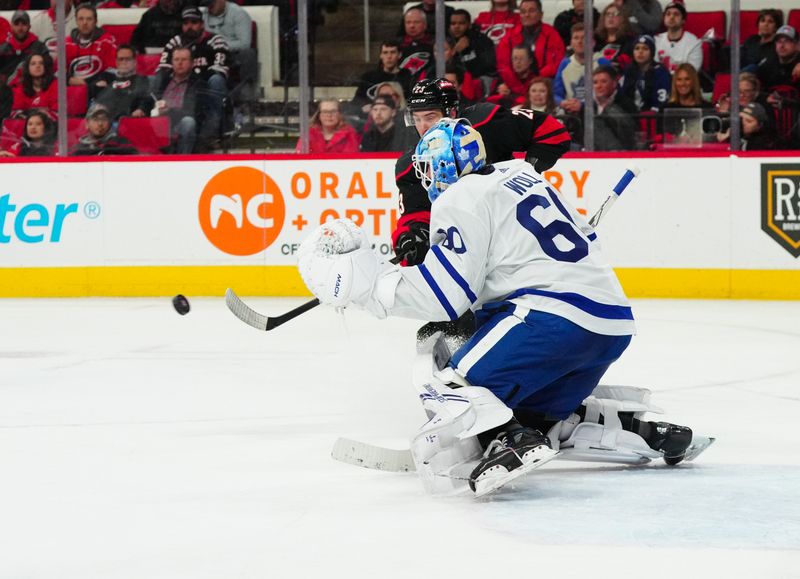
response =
{"points": [[449, 439], [588, 440]]}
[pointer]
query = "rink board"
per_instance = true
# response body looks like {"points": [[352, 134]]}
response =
{"points": [[705, 226]]}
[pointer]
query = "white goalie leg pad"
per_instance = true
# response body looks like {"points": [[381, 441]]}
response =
{"points": [[588, 440], [446, 446]]}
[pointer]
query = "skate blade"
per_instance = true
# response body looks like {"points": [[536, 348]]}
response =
{"points": [[698, 445], [496, 479]]}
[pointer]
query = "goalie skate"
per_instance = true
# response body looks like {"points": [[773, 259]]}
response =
{"points": [[509, 458]]}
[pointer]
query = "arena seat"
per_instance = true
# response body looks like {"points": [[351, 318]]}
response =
{"points": [[722, 85], [699, 23], [77, 100], [121, 32], [794, 18], [148, 134], [146, 64], [748, 24], [76, 128], [712, 24], [11, 133], [785, 116]]}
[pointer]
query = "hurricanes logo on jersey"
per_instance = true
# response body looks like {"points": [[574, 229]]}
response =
{"points": [[416, 62], [86, 66], [780, 205]]}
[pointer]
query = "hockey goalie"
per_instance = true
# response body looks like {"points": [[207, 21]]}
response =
{"points": [[551, 318]]}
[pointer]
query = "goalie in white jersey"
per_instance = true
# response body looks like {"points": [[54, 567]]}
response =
{"points": [[551, 313]]}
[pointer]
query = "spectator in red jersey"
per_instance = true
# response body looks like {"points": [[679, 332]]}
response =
{"points": [[539, 97], [513, 89], [19, 44], [329, 133], [495, 23], [38, 138], [613, 38], [38, 89], [545, 42], [89, 49]]}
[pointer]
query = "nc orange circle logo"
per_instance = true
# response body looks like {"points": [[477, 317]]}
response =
{"points": [[241, 211]]}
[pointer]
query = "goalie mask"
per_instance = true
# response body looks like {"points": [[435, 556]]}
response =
{"points": [[449, 150]]}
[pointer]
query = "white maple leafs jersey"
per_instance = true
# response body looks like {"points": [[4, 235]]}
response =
{"points": [[509, 235]]}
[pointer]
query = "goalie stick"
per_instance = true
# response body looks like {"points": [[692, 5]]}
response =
{"points": [[266, 323]]}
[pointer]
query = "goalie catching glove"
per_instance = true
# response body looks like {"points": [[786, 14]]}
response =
{"points": [[339, 267]]}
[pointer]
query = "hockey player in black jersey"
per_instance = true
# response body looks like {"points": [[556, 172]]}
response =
{"points": [[540, 136]]}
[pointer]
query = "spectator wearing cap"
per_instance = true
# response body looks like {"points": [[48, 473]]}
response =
{"points": [[756, 134], [643, 16], [760, 47], [646, 82], [43, 25], [383, 134], [388, 70], [210, 61], [100, 138], [568, 18], [329, 132], [157, 26], [180, 100], [676, 46], [783, 67], [20, 44], [89, 49], [544, 41], [121, 90], [234, 24]]}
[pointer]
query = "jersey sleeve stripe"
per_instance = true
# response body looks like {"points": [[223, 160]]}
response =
{"points": [[406, 170], [437, 291], [596, 309], [437, 251], [488, 117]]}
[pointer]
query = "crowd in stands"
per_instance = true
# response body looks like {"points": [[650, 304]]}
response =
{"points": [[655, 83], [173, 86]]}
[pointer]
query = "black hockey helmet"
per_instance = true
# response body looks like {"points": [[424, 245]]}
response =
{"points": [[434, 93]]}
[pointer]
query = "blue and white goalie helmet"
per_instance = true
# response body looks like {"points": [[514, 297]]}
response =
{"points": [[449, 150]]}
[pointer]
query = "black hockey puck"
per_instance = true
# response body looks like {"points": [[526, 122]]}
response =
{"points": [[181, 304]]}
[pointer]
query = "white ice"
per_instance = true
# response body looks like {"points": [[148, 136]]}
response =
{"points": [[136, 443]]}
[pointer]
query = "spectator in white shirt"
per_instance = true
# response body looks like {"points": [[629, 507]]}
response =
{"points": [[676, 45]]}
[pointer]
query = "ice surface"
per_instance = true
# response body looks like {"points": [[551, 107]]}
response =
{"points": [[136, 443]]}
